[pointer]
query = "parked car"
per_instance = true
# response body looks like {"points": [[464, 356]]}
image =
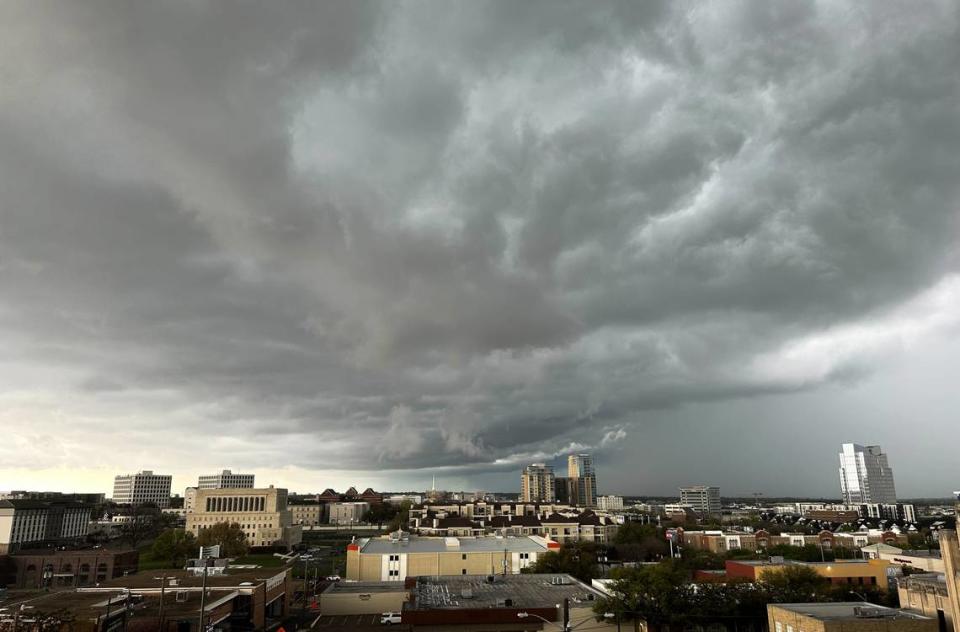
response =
{"points": [[389, 618], [333, 578]]}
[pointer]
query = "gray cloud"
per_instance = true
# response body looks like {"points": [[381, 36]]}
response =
{"points": [[361, 236]]}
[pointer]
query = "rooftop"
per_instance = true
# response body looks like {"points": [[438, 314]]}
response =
{"points": [[350, 588], [848, 610], [523, 591], [416, 544]]}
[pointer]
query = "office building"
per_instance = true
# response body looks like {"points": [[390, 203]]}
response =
{"points": [[398, 556], [225, 480], [703, 499], [580, 470], [858, 616], [141, 488], [537, 483], [869, 573], [865, 475], [261, 513], [32, 522]]}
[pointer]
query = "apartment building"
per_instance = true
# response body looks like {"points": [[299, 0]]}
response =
{"points": [[704, 499], [262, 513], [865, 475], [723, 541], [141, 488], [225, 480], [537, 483], [610, 503], [398, 556], [31, 522]]}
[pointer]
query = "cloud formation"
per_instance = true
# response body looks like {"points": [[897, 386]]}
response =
{"points": [[368, 236]]}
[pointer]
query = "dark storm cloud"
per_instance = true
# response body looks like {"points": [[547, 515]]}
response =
{"points": [[460, 235]]}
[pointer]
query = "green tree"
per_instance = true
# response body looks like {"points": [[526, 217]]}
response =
{"points": [[637, 542], [402, 518], [230, 537], [174, 546], [574, 558], [382, 513], [795, 584]]}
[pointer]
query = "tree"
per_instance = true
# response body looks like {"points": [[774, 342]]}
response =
{"points": [[174, 546], [383, 512], [795, 584], [230, 537], [402, 518], [574, 558], [637, 542], [145, 522]]}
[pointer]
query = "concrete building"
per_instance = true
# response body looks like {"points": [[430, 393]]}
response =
{"points": [[858, 616], [309, 514], [610, 503], [225, 480], [142, 487], [703, 499], [189, 498], [31, 522], [399, 555], [261, 513], [565, 490], [865, 475], [927, 594], [924, 560], [722, 541], [346, 513], [537, 483], [580, 471]]}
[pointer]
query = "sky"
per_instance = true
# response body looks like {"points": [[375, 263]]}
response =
{"points": [[372, 243]]}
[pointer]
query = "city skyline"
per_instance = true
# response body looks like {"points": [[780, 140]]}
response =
{"points": [[368, 243]]}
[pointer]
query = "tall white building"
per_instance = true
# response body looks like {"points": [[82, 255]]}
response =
{"points": [[537, 484], [225, 480], [865, 475], [142, 487], [610, 503], [703, 499]]}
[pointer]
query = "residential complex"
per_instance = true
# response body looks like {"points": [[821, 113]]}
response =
{"points": [[142, 488], [724, 541], [537, 484], [398, 556], [261, 513], [225, 480], [703, 499], [865, 475], [610, 503]]}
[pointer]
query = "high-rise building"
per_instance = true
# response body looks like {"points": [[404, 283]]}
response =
{"points": [[580, 469], [703, 499], [865, 475], [537, 484], [225, 480], [142, 487]]}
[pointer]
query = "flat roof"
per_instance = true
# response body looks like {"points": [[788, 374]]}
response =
{"points": [[523, 591], [351, 588], [519, 544], [848, 610]]}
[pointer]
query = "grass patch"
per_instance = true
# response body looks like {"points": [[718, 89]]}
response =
{"points": [[261, 559]]}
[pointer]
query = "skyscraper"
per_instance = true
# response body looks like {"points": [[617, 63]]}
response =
{"points": [[580, 470], [537, 484], [865, 475]]}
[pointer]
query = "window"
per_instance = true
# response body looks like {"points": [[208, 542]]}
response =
{"points": [[463, 571], [779, 627], [463, 556], [389, 574], [394, 558]]}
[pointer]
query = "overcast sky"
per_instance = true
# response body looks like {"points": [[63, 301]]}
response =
{"points": [[342, 242]]}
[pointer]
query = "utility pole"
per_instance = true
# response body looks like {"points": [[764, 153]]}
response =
{"points": [[203, 595], [306, 574], [163, 584], [566, 614]]}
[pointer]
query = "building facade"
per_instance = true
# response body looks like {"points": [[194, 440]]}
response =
{"points": [[142, 487], [610, 503], [857, 616], [537, 483], [309, 514], [52, 568], [31, 522], [703, 499], [399, 556], [347, 513], [261, 513], [225, 480], [865, 475]]}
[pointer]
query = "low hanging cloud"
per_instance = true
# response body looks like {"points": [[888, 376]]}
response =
{"points": [[457, 235]]}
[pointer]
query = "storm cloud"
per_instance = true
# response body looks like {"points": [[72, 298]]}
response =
{"points": [[457, 236]]}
